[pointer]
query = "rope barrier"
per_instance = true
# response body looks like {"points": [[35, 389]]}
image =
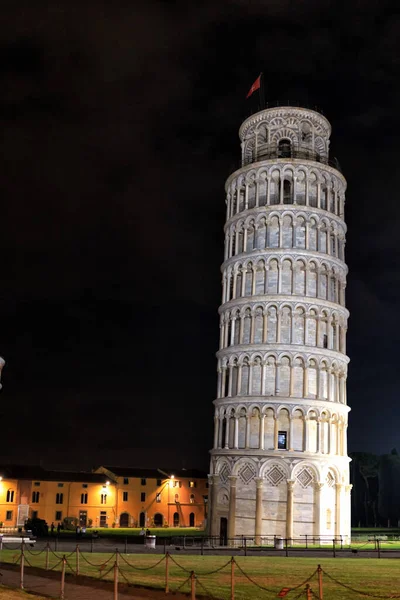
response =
{"points": [[182, 584], [348, 587], [33, 552], [96, 565], [205, 573], [55, 566], [209, 594], [296, 587], [261, 587], [120, 571], [70, 568], [142, 568], [107, 572]]}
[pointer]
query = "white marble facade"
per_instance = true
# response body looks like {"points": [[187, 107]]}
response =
{"points": [[279, 464]]}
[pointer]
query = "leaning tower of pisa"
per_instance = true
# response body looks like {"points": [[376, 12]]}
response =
{"points": [[279, 464]]}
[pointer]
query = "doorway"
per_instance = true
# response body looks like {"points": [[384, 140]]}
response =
{"points": [[142, 519], [103, 518], [223, 531], [124, 520], [176, 519], [158, 520], [83, 518], [191, 520]]}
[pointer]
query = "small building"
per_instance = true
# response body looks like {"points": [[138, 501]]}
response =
{"points": [[158, 497]]}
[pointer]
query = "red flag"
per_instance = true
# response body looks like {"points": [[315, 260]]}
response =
{"points": [[256, 86]]}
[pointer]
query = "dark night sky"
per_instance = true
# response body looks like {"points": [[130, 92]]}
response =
{"points": [[119, 127]]}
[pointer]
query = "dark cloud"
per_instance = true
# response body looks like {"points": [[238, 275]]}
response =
{"points": [[119, 128]]}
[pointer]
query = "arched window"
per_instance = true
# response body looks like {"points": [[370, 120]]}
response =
{"points": [[191, 520], [176, 519], [10, 496], [287, 192], [142, 519], [284, 148], [191, 500]]}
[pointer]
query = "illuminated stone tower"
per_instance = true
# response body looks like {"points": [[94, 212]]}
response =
{"points": [[279, 465]]}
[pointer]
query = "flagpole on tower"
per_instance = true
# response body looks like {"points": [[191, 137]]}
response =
{"points": [[262, 92]]}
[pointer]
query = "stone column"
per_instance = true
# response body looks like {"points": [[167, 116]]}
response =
{"points": [[236, 434], [262, 431], [276, 425], [232, 508], [289, 510], [213, 517], [317, 503], [216, 423], [227, 423], [338, 525], [259, 497]]}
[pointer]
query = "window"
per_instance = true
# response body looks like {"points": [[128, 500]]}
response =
{"points": [[325, 341], [192, 484], [287, 192], [37, 484], [142, 496], [58, 516], [84, 485], [126, 481], [159, 482], [9, 514], [177, 483], [35, 497], [84, 498], [59, 498], [282, 439], [284, 148], [10, 496], [191, 498], [158, 497], [143, 481], [103, 498], [125, 496], [60, 485]]}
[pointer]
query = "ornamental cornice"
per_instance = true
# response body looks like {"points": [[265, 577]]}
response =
{"points": [[285, 455], [278, 300], [282, 254], [294, 210], [306, 352], [285, 112], [277, 402], [292, 163]]}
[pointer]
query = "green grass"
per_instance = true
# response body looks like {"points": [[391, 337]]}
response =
{"points": [[373, 576]]}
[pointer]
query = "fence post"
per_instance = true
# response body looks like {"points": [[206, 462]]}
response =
{"points": [[378, 542], [77, 559], [165, 545], [115, 580], [21, 583], [62, 589], [184, 542], [202, 546], [56, 544], [47, 556], [126, 545], [117, 556], [308, 592], [334, 548], [245, 546], [306, 542], [167, 573], [232, 578], [320, 586], [91, 545], [286, 548], [192, 586]]}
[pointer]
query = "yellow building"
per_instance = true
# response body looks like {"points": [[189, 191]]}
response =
{"points": [[158, 498], [108, 497]]}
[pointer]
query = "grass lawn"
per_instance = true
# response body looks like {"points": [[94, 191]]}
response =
{"points": [[374, 576], [8, 594]]}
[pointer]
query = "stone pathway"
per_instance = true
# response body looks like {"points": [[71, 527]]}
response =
{"points": [[50, 587]]}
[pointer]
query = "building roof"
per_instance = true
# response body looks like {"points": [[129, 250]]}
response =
{"points": [[35, 472], [159, 473]]}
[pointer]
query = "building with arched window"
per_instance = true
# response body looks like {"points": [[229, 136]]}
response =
{"points": [[279, 463]]}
